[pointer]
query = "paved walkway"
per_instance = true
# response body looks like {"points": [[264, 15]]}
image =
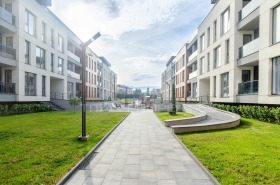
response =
{"points": [[141, 151]]}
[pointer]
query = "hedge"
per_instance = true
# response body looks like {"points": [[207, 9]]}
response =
{"points": [[23, 109], [262, 113]]}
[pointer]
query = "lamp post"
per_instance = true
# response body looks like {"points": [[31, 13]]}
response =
{"points": [[85, 137], [168, 91]]}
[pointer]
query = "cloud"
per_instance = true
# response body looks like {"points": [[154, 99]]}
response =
{"points": [[138, 37]]}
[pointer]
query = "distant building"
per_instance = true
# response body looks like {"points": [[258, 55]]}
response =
{"points": [[124, 90]]}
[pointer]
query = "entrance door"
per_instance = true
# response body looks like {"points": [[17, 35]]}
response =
{"points": [[8, 76], [246, 75], [247, 39]]}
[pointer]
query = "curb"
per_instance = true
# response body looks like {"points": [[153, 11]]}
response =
{"points": [[88, 156], [212, 178]]}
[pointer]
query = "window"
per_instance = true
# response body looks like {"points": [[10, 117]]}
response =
{"points": [[215, 31], [30, 23], [276, 76], [208, 61], [27, 52], [202, 42], [60, 66], [224, 85], [227, 51], [225, 22], [202, 65], [217, 57], [214, 82], [60, 43], [43, 86], [52, 62], [43, 32], [208, 36], [30, 84], [183, 76], [246, 75], [40, 58], [52, 38], [194, 90], [276, 24]]}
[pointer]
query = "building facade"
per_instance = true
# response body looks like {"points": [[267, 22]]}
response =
{"points": [[181, 74], [234, 58], [167, 79], [40, 57]]}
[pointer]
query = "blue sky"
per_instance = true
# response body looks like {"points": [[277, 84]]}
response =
{"points": [[138, 36]]}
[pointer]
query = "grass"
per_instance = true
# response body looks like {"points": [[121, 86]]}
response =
{"points": [[41, 148], [166, 116], [248, 154]]}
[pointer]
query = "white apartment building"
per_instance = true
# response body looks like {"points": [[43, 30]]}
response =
{"points": [[167, 79], [181, 74], [39, 55], [235, 56]]}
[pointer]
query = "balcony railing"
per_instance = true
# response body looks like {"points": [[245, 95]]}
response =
{"points": [[248, 9], [251, 87], [193, 74], [7, 52], [249, 48], [74, 75], [7, 16], [193, 55], [7, 88], [74, 56]]}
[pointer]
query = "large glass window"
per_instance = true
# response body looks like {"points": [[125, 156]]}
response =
{"points": [[60, 43], [276, 76], [217, 57], [52, 38], [225, 21], [276, 24], [43, 32], [227, 51], [30, 84], [224, 85], [208, 36], [215, 86], [60, 65], [202, 42], [215, 31], [40, 58], [52, 62], [43, 86], [202, 65], [27, 52], [30, 23]]}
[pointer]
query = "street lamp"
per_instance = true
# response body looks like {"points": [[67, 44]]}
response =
{"points": [[85, 137], [168, 90]]}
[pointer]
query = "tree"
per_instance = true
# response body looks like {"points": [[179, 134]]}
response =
{"points": [[137, 93], [74, 102]]}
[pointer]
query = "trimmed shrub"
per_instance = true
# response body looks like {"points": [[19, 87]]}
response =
{"points": [[23, 108], [262, 113]]}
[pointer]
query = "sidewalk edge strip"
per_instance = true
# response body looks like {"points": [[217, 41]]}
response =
{"points": [[212, 178], [88, 155]]}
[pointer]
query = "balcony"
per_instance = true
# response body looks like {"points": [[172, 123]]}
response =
{"points": [[7, 52], [251, 87], [73, 56], [250, 48], [73, 74], [7, 88], [193, 74], [192, 56], [248, 17], [7, 16]]}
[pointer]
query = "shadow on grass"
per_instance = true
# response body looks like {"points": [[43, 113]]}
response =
{"points": [[244, 124]]}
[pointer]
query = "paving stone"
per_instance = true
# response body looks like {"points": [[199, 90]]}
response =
{"points": [[141, 151]]}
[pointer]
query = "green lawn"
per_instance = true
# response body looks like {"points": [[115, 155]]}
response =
{"points": [[166, 116], [248, 154], [41, 148]]}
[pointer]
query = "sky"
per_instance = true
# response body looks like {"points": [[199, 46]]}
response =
{"points": [[138, 36]]}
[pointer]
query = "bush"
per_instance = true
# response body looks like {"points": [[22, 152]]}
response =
{"points": [[262, 113], [23, 108]]}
